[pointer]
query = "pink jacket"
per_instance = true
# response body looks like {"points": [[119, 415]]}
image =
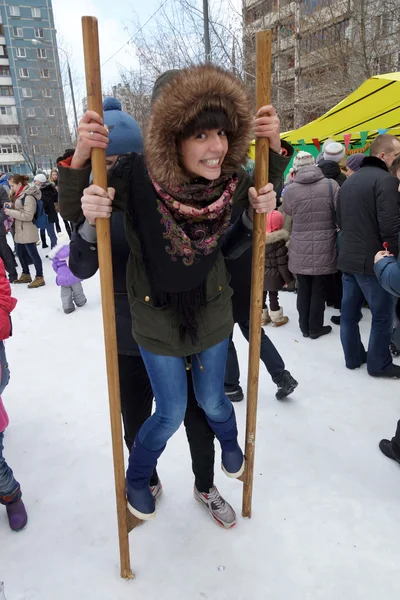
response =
{"points": [[3, 417]]}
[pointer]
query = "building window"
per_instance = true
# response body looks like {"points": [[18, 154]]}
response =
{"points": [[6, 149], [30, 112], [6, 90], [36, 13], [27, 92], [42, 53], [14, 11], [21, 52], [6, 168], [51, 112], [47, 93], [5, 71], [3, 51], [18, 32], [23, 73], [8, 130], [39, 33], [44, 73], [33, 130], [5, 110]]}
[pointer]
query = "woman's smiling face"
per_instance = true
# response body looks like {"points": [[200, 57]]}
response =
{"points": [[203, 153]]}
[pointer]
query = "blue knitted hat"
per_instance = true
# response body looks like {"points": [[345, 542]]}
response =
{"points": [[124, 133]]}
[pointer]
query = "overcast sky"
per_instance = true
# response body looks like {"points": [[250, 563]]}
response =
{"points": [[115, 28], [112, 32]]}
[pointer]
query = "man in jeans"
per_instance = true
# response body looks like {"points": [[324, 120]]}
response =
{"points": [[368, 215]]}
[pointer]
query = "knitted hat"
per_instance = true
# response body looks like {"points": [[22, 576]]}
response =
{"points": [[335, 152], [40, 178], [303, 159], [274, 221], [123, 132], [354, 161], [326, 143]]}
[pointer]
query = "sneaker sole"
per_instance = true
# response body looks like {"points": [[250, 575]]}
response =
{"points": [[214, 518], [234, 475], [140, 515]]}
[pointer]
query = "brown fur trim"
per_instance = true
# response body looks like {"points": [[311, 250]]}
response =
{"points": [[188, 93], [277, 236]]}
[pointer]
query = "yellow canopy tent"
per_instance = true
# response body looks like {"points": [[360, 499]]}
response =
{"points": [[373, 107]]}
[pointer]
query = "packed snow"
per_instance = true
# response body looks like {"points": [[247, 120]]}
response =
{"points": [[326, 501]]}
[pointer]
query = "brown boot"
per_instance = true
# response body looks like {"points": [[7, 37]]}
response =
{"points": [[38, 282], [24, 278]]}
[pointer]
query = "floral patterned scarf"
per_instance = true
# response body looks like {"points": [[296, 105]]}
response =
{"points": [[195, 217]]}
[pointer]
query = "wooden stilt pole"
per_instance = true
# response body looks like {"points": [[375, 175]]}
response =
{"points": [[263, 97], [95, 102]]}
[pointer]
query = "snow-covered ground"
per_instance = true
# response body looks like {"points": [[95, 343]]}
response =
{"points": [[326, 502]]}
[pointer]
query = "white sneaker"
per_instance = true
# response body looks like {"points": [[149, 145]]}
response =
{"points": [[220, 510]]}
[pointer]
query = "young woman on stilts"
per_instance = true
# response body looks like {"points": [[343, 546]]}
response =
{"points": [[178, 207]]}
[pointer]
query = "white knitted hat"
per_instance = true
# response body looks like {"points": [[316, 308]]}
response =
{"points": [[334, 152], [303, 159]]}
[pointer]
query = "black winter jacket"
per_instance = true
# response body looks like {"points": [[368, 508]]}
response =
{"points": [[368, 214], [49, 198]]}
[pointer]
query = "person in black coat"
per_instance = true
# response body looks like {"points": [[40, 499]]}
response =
{"points": [[49, 199], [368, 215], [240, 272], [5, 251]]}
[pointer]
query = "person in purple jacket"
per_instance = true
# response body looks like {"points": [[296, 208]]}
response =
{"points": [[71, 287]]}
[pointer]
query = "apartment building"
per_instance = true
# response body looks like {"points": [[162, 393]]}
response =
{"points": [[322, 49], [34, 129]]}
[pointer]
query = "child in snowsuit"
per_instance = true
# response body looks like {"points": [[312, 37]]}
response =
{"points": [[10, 491], [71, 287], [277, 273]]}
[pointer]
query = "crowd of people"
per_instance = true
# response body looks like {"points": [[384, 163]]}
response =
{"points": [[181, 208]]}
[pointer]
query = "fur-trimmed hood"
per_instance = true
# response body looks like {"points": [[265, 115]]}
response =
{"points": [[277, 236], [185, 96]]}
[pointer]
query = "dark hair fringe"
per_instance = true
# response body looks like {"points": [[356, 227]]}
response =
{"points": [[205, 121]]}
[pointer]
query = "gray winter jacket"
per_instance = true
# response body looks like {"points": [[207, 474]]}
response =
{"points": [[311, 205]]}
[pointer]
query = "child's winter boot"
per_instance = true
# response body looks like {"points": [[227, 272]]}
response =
{"points": [[142, 462], [16, 512], [265, 317], [232, 457], [277, 317]]}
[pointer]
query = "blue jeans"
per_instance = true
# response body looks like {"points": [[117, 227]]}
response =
{"points": [[51, 233], [26, 252], [5, 371], [381, 303], [169, 383], [8, 483]]}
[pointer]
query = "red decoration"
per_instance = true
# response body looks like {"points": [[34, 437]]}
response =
{"points": [[317, 144], [347, 138]]}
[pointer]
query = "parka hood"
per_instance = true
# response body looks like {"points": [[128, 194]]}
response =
{"points": [[180, 100]]}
